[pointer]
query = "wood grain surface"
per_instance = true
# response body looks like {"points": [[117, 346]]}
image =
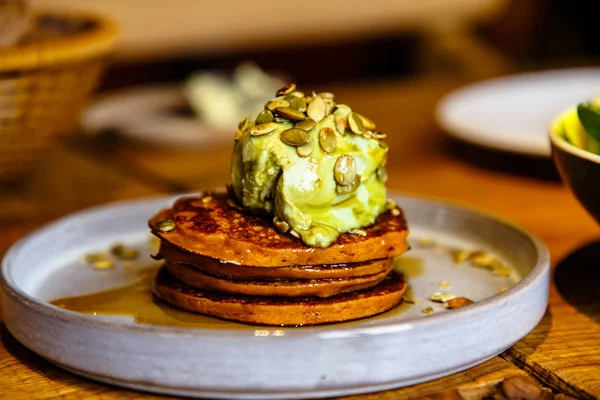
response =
{"points": [[562, 352]]}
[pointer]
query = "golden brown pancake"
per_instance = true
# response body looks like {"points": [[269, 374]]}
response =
{"points": [[194, 277], [282, 311], [230, 271], [216, 230]]}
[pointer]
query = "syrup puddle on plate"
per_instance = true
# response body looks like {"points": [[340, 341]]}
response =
{"points": [[137, 301]]}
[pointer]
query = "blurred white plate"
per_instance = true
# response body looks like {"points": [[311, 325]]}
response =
{"points": [[512, 113], [151, 114]]}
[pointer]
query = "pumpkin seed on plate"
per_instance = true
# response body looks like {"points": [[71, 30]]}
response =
{"points": [[307, 124], [263, 129], [327, 140], [123, 253], [316, 109], [356, 123], [290, 113], [103, 264], [93, 257], [287, 89], [305, 150], [344, 170], [295, 137], [273, 104], [264, 117]]}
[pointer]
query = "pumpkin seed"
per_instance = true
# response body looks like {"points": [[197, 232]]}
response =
{"points": [[349, 188], [379, 135], [359, 232], [329, 107], [295, 233], [308, 99], [440, 297], [368, 134], [307, 124], [427, 310], [103, 264], [327, 96], [356, 123], [165, 225], [295, 137], [316, 109], [327, 140], [94, 257], [460, 255], [280, 120], [264, 117], [297, 103], [344, 170], [341, 124], [395, 212], [305, 150], [458, 302], [368, 124], [262, 129], [242, 126], [389, 204], [287, 89], [382, 174], [290, 113], [273, 104], [281, 225], [123, 253], [298, 94]]}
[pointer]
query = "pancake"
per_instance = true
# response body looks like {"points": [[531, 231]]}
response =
{"points": [[230, 271], [210, 227], [194, 277], [282, 311]]}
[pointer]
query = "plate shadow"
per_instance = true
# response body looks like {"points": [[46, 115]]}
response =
{"points": [[577, 278]]}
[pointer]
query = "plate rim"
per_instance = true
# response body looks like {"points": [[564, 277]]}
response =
{"points": [[332, 331], [471, 134]]}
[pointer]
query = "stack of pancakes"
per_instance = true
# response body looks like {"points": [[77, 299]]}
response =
{"points": [[223, 262]]}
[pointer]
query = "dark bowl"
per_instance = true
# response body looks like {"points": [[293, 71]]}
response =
{"points": [[580, 169]]}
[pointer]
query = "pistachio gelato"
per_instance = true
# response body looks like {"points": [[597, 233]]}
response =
{"points": [[316, 166]]}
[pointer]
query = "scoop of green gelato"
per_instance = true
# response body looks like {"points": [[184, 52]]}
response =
{"points": [[315, 165]]}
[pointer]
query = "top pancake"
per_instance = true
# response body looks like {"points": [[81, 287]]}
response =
{"points": [[212, 228]]}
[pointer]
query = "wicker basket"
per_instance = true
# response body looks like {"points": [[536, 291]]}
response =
{"points": [[44, 83]]}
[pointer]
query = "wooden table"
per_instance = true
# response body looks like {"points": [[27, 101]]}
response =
{"points": [[562, 352]]}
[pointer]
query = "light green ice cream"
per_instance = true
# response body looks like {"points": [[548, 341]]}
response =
{"points": [[269, 176]]}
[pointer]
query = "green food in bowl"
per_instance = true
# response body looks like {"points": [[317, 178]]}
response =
{"points": [[315, 165], [581, 127]]}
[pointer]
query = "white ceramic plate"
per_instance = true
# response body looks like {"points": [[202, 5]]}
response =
{"points": [[512, 113], [238, 361], [148, 114]]}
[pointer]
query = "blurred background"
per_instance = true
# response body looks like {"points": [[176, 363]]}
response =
{"points": [[172, 78]]}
